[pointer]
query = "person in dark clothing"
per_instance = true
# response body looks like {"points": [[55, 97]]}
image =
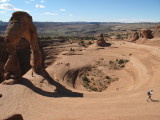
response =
{"points": [[149, 93]]}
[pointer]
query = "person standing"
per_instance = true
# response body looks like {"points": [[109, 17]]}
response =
{"points": [[149, 93]]}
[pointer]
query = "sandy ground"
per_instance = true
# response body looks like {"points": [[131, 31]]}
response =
{"points": [[125, 99]]}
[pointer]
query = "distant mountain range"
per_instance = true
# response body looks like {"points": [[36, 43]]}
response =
{"points": [[81, 28]]}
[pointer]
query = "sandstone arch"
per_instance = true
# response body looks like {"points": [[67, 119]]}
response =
{"points": [[21, 26]]}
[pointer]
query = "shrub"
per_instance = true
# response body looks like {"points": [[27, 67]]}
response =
{"points": [[90, 43], [118, 64], [85, 78], [71, 49], [108, 77], [121, 61]]}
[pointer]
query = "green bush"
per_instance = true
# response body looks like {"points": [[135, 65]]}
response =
{"points": [[85, 78], [71, 49], [121, 61]]}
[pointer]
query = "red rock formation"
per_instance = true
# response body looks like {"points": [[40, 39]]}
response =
{"points": [[156, 31], [3, 57], [101, 42], [21, 26], [133, 37], [146, 34]]}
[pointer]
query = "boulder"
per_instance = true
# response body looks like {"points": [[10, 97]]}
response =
{"points": [[101, 41], [133, 37]]}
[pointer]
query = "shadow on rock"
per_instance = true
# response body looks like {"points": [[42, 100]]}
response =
{"points": [[60, 91], [152, 100]]}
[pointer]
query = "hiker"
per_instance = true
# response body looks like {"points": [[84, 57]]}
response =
{"points": [[149, 93]]}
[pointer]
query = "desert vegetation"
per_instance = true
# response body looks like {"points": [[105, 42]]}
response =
{"points": [[94, 79]]}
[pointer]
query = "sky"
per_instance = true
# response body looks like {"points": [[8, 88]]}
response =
{"points": [[84, 10]]}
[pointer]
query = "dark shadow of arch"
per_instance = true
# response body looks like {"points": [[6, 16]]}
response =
{"points": [[60, 91]]}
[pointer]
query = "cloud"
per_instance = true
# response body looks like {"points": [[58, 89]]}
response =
{"points": [[2, 12], [27, 11], [40, 6], [62, 10], [133, 20], [42, 1], [50, 13], [7, 6], [4, 1]]}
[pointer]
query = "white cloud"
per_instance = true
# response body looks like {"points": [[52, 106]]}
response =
{"points": [[62, 10], [50, 13], [7, 6], [4, 0], [40, 6], [2, 12], [133, 20], [27, 11], [42, 1]]}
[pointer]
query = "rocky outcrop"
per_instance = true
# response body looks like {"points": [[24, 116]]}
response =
{"points": [[21, 35], [101, 41], [133, 37], [146, 34], [156, 31]]}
